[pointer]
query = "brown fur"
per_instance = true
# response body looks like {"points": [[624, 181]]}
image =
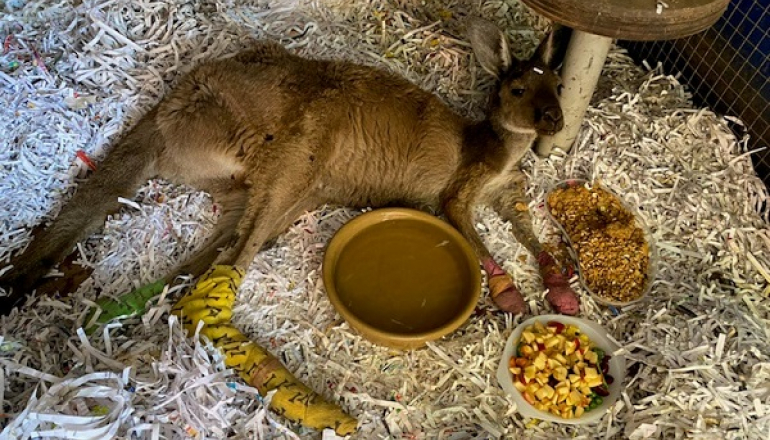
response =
{"points": [[270, 135]]}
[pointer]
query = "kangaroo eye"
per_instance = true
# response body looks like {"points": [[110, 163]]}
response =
{"points": [[517, 92]]}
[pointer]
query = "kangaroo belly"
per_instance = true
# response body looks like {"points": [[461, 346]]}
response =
{"points": [[387, 156]]}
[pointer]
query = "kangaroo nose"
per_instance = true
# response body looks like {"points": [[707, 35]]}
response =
{"points": [[552, 114], [549, 120]]}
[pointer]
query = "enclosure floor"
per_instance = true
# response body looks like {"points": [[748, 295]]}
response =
{"points": [[698, 351]]}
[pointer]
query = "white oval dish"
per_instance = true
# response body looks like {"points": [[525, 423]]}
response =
{"points": [[652, 267], [598, 335]]}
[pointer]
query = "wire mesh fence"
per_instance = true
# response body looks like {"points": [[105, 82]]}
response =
{"points": [[727, 67]]}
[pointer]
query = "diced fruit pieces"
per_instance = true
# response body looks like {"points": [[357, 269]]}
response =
{"points": [[558, 370], [594, 382], [530, 372], [574, 398], [546, 392], [552, 342], [528, 336], [558, 327], [570, 348]]}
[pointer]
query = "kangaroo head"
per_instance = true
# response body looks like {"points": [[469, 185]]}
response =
{"points": [[525, 99]]}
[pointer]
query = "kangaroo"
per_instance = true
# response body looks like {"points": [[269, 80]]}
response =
{"points": [[270, 135]]}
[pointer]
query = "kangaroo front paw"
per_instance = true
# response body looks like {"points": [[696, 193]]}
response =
{"points": [[560, 295], [502, 289]]}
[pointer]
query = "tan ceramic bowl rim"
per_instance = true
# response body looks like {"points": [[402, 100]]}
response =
{"points": [[353, 227]]}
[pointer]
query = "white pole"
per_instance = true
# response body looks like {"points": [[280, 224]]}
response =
{"points": [[580, 73]]}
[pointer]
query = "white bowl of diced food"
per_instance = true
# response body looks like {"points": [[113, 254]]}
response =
{"points": [[561, 369]]}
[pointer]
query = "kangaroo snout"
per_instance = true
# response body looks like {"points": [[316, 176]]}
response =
{"points": [[549, 120]]}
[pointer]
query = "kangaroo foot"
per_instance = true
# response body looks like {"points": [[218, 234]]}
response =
{"points": [[560, 295], [73, 275], [502, 289]]}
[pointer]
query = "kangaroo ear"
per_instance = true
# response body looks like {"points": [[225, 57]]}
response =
{"points": [[553, 48], [490, 46]]}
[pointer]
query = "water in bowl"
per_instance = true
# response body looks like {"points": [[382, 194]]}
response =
{"points": [[403, 276]]}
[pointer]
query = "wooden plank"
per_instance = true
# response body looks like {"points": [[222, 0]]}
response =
{"points": [[633, 19]]}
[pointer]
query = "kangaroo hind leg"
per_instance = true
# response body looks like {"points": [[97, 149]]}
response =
{"points": [[129, 164], [233, 200]]}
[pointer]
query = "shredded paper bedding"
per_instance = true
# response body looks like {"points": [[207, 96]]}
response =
{"points": [[74, 74]]}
